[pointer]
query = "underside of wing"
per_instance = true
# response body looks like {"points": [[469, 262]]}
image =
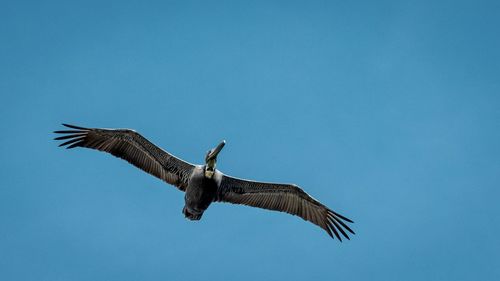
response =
{"points": [[131, 146], [287, 198]]}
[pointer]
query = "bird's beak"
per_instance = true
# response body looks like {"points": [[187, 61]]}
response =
{"points": [[215, 151]]}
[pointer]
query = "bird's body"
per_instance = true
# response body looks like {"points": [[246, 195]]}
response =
{"points": [[204, 184], [200, 193]]}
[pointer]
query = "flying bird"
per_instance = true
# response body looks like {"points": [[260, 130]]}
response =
{"points": [[204, 184]]}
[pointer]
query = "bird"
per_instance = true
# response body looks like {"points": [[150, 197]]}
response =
{"points": [[204, 184]]}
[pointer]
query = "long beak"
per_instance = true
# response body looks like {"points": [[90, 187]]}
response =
{"points": [[215, 151]]}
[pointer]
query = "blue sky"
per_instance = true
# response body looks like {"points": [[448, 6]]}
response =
{"points": [[386, 111]]}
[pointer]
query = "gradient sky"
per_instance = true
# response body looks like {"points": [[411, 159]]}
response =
{"points": [[386, 111]]}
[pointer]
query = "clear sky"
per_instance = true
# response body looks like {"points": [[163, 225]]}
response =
{"points": [[386, 111]]}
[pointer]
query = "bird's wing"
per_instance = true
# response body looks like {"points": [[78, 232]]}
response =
{"points": [[130, 146], [287, 198]]}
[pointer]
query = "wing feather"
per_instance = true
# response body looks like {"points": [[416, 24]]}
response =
{"points": [[132, 147], [287, 198]]}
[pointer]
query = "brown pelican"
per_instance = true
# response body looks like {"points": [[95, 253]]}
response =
{"points": [[203, 184]]}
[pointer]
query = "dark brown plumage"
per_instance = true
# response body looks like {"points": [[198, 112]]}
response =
{"points": [[287, 198], [204, 184], [131, 146]]}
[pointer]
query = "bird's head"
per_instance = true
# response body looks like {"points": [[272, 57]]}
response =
{"points": [[211, 159]]}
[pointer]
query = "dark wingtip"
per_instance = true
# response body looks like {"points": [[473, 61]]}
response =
{"points": [[69, 136], [74, 127], [72, 146], [344, 218], [79, 143], [340, 216], [329, 231], [75, 137], [333, 218], [336, 225], [336, 233], [340, 238], [73, 140], [69, 131]]}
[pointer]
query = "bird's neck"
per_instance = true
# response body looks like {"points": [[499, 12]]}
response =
{"points": [[209, 169], [209, 174]]}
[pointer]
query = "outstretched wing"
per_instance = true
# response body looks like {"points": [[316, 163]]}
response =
{"points": [[287, 198], [130, 146]]}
